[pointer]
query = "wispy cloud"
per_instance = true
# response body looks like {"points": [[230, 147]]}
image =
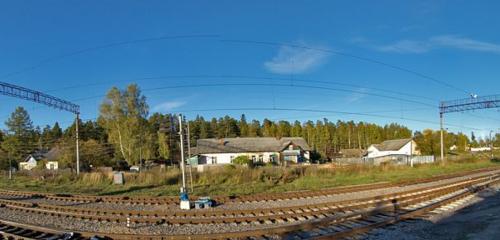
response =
{"points": [[294, 60], [436, 42], [358, 95], [168, 105], [405, 46]]}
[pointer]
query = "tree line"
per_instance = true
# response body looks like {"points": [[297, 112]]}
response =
{"points": [[125, 131]]}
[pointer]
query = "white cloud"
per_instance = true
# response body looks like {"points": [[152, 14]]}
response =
{"points": [[293, 60], [168, 106], [406, 46], [443, 41], [358, 95], [466, 44]]}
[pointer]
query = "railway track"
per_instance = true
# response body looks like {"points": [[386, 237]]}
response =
{"points": [[230, 199], [216, 216], [335, 219]]}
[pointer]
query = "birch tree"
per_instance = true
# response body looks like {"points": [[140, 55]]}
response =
{"points": [[123, 115]]}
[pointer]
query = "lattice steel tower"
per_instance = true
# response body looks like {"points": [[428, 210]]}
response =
{"points": [[462, 105], [54, 102]]}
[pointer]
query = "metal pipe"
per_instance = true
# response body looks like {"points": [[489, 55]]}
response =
{"points": [[442, 136], [491, 144], [77, 145], [182, 155], [189, 157], [10, 165]]}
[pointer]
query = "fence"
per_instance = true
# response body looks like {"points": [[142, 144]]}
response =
{"points": [[421, 159], [394, 159]]}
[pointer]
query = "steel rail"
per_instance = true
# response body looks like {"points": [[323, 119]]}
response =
{"points": [[403, 214], [209, 216], [300, 215], [235, 199], [286, 229]]}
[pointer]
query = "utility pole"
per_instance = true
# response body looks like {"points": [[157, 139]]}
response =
{"points": [[442, 136], [10, 166], [411, 152], [77, 145], [491, 144], [189, 157], [140, 153], [183, 190]]}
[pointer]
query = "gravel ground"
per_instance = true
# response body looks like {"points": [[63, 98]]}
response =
{"points": [[478, 219], [91, 226]]}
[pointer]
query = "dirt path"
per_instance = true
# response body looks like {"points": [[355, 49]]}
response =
{"points": [[480, 221]]}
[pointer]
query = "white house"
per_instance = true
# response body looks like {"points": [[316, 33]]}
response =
{"points": [[29, 163], [258, 149], [32, 160], [397, 147], [480, 149]]}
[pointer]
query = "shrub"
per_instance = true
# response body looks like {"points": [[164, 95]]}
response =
{"points": [[243, 160]]}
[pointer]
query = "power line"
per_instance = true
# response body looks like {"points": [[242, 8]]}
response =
{"points": [[316, 111], [247, 77], [109, 45], [266, 85], [370, 60]]}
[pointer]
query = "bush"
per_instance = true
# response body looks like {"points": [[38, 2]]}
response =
{"points": [[243, 160]]}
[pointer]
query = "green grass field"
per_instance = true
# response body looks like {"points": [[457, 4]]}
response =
{"points": [[233, 180]]}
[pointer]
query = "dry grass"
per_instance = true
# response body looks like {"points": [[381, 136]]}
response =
{"points": [[230, 180]]}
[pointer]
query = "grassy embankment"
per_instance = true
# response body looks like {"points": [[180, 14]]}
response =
{"points": [[235, 180]]}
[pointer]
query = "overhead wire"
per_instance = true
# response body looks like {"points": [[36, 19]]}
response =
{"points": [[104, 46], [336, 52], [239, 41]]}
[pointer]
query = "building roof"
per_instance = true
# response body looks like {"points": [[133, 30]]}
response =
{"points": [[52, 155], [392, 145], [352, 152], [251, 144]]}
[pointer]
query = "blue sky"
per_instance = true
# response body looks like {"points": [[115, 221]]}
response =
{"points": [[217, 56]]}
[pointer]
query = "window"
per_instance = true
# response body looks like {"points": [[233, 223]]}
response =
{"points": [[253, 158], [214, 160], [261, 158]]}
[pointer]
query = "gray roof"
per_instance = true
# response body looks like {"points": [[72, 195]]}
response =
{"points": [[392, 145], [52, 155], [251, 144], [352, 152]]}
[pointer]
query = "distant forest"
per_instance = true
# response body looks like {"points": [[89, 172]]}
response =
{"points": [[126, 131]]}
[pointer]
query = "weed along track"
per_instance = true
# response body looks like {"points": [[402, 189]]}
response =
{"points": [[365, 207], [70, 199]]}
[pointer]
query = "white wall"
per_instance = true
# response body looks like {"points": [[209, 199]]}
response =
{"points": [[408, 149], [480, 149], [52, 165], [225, 158], [28, 165]]}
